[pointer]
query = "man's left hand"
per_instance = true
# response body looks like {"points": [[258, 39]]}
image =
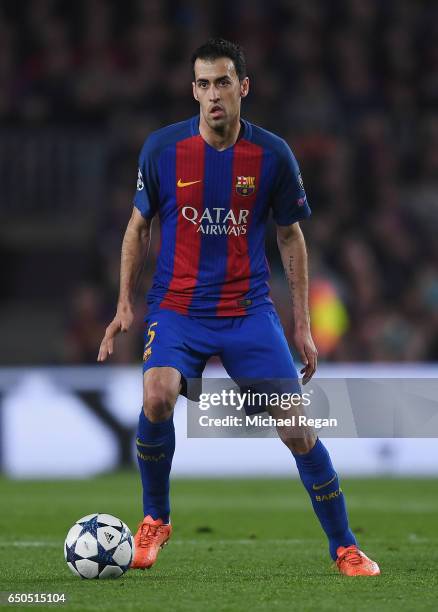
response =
{"points": [[305, 346]]}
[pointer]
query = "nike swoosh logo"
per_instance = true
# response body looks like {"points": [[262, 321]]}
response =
{"points": [[180, 183], [139, 443], [317, 487]]}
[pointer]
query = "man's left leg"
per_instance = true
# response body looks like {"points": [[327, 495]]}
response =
{"points": [[258, 346], [322, 484], [319, 479]]}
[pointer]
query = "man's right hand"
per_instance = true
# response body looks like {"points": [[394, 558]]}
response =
{"points": [[121, 323]]}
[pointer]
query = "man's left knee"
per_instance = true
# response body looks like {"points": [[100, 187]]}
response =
{"points": [[299, 442]]}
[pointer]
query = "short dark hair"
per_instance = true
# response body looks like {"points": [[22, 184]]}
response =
{"points": [[215, 48]]}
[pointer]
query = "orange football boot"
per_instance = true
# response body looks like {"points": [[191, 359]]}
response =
{"points": [[151, 536], [353, 562]]}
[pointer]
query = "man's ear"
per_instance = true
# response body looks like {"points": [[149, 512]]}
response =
{"points": [[244, 87], [194, 91]]}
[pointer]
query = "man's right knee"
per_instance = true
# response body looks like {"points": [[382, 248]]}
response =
{"points": [[160, 391]]}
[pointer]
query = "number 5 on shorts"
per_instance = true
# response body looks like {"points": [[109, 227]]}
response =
{"points": [[151, 334], [147, 348]]}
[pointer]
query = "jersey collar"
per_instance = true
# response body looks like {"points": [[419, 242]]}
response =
{"points": [[245, 132]]}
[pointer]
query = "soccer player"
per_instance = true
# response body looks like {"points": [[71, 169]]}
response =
{"points": [[213, 180]]}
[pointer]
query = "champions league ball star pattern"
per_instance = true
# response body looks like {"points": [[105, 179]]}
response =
{"points": [[99, 546]]}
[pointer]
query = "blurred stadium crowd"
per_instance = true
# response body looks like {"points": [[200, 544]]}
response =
{"points": [[352, 85]]}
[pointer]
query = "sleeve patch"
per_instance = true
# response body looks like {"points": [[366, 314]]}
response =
{"points": [[140, 182]]}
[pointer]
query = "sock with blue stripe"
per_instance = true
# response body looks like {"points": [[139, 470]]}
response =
{"points": [[155, 448], [322, 484]]}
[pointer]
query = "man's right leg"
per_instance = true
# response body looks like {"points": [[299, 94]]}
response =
{"points": [[176, 349], [155, 447]]}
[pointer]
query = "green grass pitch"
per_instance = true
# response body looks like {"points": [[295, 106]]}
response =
{"points": [[238, 545]]}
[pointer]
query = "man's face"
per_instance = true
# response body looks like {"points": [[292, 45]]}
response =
{"points": [[218, 90]]}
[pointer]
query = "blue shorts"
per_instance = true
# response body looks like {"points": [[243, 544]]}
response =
{"points": [[250, 347]]}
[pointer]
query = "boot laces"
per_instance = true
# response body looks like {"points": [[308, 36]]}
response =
{"points": [[352, 555], [148, 533]]}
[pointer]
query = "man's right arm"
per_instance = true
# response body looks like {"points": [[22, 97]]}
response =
{"points": [[134, 252]]}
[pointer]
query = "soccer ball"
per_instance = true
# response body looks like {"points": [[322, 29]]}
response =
{"points": [[99, 546]]}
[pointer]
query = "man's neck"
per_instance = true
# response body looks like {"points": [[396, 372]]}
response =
{"points": [[220, 139]]}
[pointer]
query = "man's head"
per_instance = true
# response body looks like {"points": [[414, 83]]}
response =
{"points": [[220, 81]]}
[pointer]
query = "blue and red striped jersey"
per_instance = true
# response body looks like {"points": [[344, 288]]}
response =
{"points": [[213, 208]]}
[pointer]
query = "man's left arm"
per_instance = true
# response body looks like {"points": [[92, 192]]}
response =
{"points": [[292, 247]]}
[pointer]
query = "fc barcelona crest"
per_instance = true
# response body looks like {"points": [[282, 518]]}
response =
{"points": [[245, 185]]}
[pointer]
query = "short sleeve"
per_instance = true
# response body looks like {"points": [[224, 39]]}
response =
{"points": [[146, 197], [289, 201]]}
